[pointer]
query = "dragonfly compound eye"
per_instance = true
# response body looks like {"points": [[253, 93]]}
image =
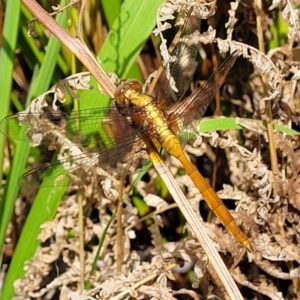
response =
{"points": [[120, 93], [134, 85], [126, 90]]}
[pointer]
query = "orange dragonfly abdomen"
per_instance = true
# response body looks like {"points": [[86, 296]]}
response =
{"points": [[173, 146]]}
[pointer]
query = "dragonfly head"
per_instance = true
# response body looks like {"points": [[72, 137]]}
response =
{"points": [[127, 90]]}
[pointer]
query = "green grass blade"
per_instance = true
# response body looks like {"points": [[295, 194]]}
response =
{"points": [[215, 124], [111, 10], [11, 189], [10, 32]]}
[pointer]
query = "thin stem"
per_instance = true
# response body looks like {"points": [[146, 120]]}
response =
{"points": [[273, 156]]}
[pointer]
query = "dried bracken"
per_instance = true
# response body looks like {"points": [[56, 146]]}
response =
{"points": [[267, 204]]}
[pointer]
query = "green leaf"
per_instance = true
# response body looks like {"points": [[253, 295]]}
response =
{"points": [[222, 123]]}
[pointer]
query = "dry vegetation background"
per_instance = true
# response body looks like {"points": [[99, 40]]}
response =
{"points": [[264, 201]]}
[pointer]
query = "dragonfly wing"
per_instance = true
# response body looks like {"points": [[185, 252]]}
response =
{"points": [[194, 106], [181, 66], [85, 128], [98, 125], [47, 175], [13, 127], [171, 88], [104, 134], [83, 167]]}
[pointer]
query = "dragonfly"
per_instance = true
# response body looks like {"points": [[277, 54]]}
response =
{"points": [[106, 136]]}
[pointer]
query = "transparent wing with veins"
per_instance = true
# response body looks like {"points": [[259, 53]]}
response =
{"points": [[175, 80], [194, 106], [86, 149], [180, 68], [85, 167]]}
